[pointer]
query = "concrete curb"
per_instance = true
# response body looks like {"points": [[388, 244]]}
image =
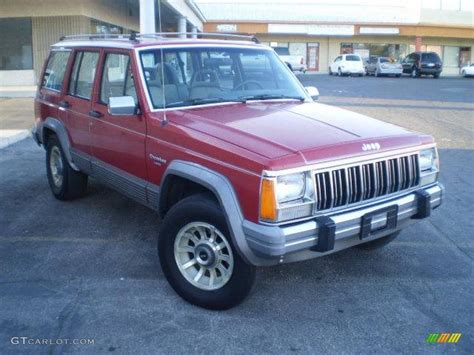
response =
{"points": [[11, 136]]}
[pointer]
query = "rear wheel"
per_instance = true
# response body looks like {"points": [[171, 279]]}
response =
{"points": [[65, 182], [198, 257], [378, 243], [330, 71]]}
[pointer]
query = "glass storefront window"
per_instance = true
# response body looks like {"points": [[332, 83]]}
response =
{"points": [[15, 46], [451, 57]]}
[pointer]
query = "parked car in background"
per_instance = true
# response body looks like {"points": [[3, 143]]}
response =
{"points": [[468, 71], [347, 64], [294, 62], [422, 63], [379, 66]]}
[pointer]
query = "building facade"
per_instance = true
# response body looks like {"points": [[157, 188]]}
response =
{"points": [[29, 27], [320, 30]]}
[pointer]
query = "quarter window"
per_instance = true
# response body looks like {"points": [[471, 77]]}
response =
{"points": [[55, 69], [117, 78], [83, 73]]}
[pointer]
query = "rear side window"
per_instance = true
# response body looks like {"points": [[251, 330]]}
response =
{"points": [[117, 78], [430, 57], [353, 58], [83, 73], [55, 69]]}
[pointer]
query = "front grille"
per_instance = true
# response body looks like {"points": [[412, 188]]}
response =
{"points": [[365, 181]]}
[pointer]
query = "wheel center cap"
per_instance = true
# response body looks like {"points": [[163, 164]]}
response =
{"points": [[205, 255]]}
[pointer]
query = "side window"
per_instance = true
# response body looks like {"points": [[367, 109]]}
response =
{"points": [[55, 69], [117, 78], [83, 73]]}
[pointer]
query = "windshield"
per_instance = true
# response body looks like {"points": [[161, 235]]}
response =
{"points": [[195, 76], [384, 60], [353, 58]]}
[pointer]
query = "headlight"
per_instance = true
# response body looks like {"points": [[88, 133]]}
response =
{"points": [[286, 197], [429, 166], [290, 187], [428, 160], [384, 66]]}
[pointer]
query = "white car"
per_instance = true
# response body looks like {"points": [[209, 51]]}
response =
{"points": [[468, 71], [347, 64], [294, 62]]}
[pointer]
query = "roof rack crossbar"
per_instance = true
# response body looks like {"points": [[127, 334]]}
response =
{"points": [[138, 36]]}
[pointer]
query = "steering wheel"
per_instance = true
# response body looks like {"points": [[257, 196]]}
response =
{"points": [[246, 82], [199, 77]]}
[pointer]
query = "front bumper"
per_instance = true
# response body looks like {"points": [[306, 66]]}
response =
{"points": [[338, 231]]}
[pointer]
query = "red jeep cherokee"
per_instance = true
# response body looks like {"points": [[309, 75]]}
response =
{"points": [[222, 140]]}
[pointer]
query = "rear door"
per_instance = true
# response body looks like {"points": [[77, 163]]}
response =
{"points": [[118, 142], [76, 103]]}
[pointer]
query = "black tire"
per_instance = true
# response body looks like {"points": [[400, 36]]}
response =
{"points": [[436, 75], [339, 72], [330, 71], [73, 184], [398, 75], [202, 208], [376, 73], [415, 73], [378, 243]]}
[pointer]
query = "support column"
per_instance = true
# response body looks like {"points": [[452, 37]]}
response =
{"points": [[147, 16], [418, 43], [182, 26], [194, 32]]}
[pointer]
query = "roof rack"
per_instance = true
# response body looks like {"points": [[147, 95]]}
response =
{"points": [[162, 35]]}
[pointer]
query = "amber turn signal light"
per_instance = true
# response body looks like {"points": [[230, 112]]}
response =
{"points": [[268, 205]]}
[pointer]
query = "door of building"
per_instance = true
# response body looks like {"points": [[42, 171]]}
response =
{"points": [[313, 56]]}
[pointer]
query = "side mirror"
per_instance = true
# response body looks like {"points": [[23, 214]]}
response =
{"points": [[313, 92], [122, 105]]}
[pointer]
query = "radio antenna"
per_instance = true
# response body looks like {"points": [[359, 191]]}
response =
{"points": [[165, 119]]}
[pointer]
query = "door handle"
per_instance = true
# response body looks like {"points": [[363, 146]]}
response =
{"points": [[95, 114], [64, 104]]}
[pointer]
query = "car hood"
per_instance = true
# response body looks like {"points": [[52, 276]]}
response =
{"points": [[310, 131]]}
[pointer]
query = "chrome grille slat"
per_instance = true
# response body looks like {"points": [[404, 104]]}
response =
{"points": [[365, 181]]}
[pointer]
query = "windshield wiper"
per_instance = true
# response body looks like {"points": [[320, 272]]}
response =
{"points": [[201, 101], [270, 97]]}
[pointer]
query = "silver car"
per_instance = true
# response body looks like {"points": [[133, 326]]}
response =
{"points": [[379, 66]]}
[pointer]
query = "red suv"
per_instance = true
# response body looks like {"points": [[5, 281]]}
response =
{"points": [[222, 140]]}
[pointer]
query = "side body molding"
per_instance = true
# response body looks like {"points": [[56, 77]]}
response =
{"points": [[225, 193], [58, 127]]}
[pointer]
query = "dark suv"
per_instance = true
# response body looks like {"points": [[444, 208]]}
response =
{"points": [[426, 63]]}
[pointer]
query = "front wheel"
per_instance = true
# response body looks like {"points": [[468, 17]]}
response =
{"points": [[339, 72], [198, 257], [415, 73], [377, 74], [436, 75], [378, 243]]}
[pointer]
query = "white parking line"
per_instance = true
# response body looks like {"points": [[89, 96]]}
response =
{"points": [[10, 136]]}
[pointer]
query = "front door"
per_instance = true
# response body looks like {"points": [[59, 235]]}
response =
{"points": [[118, 142]]}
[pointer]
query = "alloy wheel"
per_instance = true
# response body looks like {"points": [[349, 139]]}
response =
{"points": [[203, 255]]}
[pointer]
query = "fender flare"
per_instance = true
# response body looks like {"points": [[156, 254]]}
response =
{"points": [[59, 129], [222, 188]]}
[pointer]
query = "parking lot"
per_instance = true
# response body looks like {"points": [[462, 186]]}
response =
{"points": [[88, 269]]}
